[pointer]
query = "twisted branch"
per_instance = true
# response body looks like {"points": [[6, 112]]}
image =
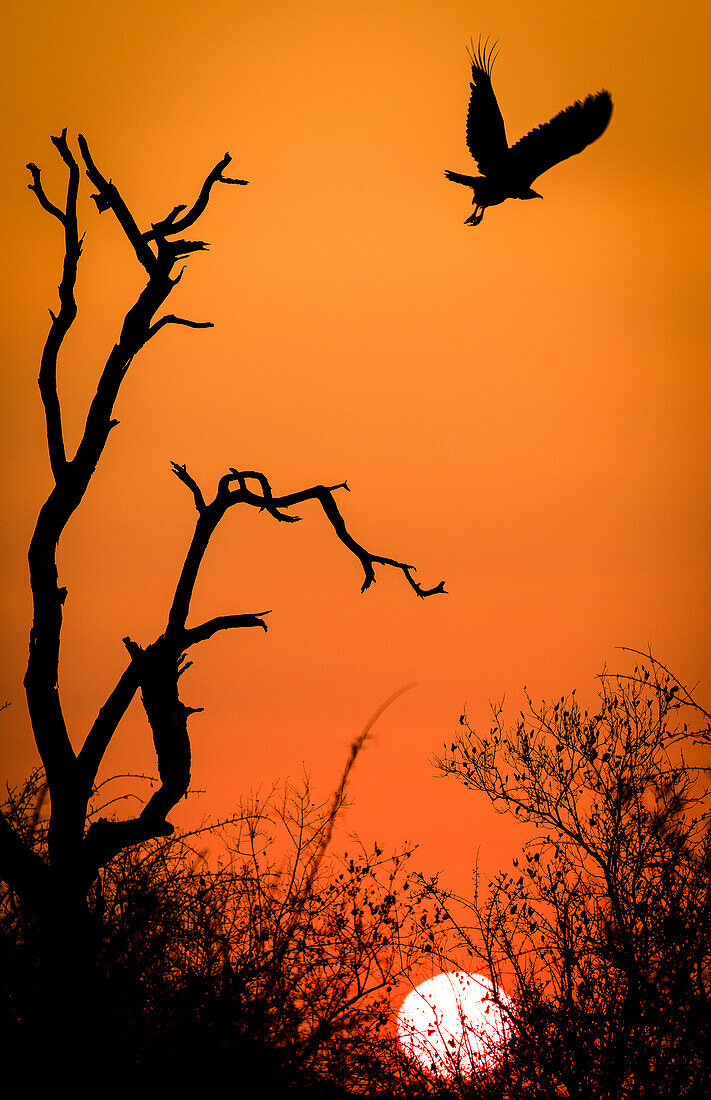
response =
{"points": [[324, 494]]}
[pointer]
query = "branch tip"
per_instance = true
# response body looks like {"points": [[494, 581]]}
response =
{"points": [[172, 319], [38, 189], [182, 474]]}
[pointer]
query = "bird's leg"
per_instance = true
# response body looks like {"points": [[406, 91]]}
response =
{"points": [[477, 216]]}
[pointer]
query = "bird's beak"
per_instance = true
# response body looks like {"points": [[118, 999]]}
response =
{"points": [[536, 195]]}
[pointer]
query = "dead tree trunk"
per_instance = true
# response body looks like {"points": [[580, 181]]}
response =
{"points": [[56, 888]]}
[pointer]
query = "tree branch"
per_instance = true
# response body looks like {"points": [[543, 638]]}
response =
{"points": [[175, 640], [38, 189], [182, 474], [222, 622], [138, 326], [267, 495], [209, 515], [106, 723], [108, 198], [170, 226], [61, 323], [207, 521], [171, 319], [324, 495], [180, 249], [158, 668]]}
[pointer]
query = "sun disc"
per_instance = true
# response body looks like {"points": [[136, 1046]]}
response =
{"points": [[452, 1024]]}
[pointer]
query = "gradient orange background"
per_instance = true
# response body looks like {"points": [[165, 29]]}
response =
{"points": [[520, 408]]}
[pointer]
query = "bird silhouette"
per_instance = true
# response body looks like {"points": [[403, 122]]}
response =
{"points": [[508, 172]]}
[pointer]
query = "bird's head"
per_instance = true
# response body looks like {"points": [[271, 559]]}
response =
{"points": [[531, 194]]}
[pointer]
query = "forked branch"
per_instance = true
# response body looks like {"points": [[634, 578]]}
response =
{"points": [[154, 669], [157, 669], [69, 778], [169, 226], [209, 515]]}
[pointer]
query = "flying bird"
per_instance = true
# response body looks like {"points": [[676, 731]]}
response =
{"points": [[508, 172]]}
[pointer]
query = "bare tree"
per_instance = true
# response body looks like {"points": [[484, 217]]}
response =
{"points": [[56, 887], [602, 930]]}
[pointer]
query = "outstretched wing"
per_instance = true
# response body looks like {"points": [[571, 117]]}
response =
{"points": [[486, 134], [566, 134], [457, 177]]}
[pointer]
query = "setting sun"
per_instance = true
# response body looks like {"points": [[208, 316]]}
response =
{"points": [[453, 1023]]}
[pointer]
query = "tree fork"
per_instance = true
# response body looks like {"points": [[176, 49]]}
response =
{"points": [[154, 669]]}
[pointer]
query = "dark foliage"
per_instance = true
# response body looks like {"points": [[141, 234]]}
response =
{"points": [[265, 960], [601, 933]]}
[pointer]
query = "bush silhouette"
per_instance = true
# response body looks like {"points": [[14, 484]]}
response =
{"points": [[266, 959], [601, 933]]}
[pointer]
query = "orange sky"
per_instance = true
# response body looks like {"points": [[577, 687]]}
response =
{"points": [[521, 408]]}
